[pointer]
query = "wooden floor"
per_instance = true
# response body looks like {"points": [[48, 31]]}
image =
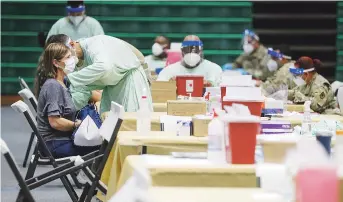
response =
{"points": [[9, 99]]}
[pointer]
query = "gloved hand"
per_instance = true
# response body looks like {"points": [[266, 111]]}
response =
{"points": [[299, 97], [279, 95]]}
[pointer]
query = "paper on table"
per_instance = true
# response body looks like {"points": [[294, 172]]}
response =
{"points": [[169, 123]]}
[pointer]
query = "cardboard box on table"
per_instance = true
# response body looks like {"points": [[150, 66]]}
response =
{"points": [[185, 107], [200, 125], [162, 91]]}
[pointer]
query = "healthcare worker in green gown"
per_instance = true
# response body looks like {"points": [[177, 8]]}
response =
{"points": [[114, 66], [76, 25]]}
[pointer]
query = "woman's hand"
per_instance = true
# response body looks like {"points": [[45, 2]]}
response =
{"points": [[77, 123]]}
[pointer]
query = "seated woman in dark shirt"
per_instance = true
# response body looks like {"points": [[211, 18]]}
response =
{"points": [[56, 112]]}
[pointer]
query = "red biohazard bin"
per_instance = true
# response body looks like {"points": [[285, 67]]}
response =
{"points": [[190, 84], [222, 92], [173, 57], [255, 106], [241, 136]]}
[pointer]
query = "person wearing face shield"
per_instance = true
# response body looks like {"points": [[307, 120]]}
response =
{"points": [[282, 76], [311, 86], [193, 63], [81, 96], [114, 66], [76, 25], [158, 58], [255, 59]]}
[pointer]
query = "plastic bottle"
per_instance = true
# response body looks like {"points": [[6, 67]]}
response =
{"points": [[306, 128], [144, 115], [216, 143]]}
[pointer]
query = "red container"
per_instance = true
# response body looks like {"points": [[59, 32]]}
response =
{"points": [[190, 84], [242, 142], [222, 92], [255, 107], [173, 57]]}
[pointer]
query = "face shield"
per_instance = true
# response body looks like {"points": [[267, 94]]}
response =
{"points": [[249, 39], [192, 52], [277, 59], [76, 15], [297, 73]]}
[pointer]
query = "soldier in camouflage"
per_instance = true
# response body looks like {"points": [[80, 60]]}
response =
{"points": [[312, 86], [282, 77], [255, 59]]}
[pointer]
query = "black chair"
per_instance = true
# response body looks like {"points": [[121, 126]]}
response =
{"points": [[26, 186], [108, 131], [29, 98]]}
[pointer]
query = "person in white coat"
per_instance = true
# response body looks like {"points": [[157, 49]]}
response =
{"points": [[114, 66], [193, 63], [76, 25], [158, 58]]}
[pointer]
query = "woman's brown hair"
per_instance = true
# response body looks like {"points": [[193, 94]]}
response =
{"points": [[48, 70]]}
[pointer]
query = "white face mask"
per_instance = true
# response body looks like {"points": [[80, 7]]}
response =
{"points": [[299, 81], [69, 65], [191, 59], [272, 65], [248, 48], [76, 20], [157, 49]]}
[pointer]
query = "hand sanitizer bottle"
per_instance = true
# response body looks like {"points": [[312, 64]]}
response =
{"points": [[144, 115], [216, 144], [306, 123]]}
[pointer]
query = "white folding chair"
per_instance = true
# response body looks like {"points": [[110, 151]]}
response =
{"points": [[26, 185], [13, 166], [41, 150], [22, 83], [109, 131], [30, 100]]}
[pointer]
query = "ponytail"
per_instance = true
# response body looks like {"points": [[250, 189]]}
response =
{"points": [[317, 64]]}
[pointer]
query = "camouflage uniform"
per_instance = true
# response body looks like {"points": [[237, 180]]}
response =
{"points": [[319, 93], [281, 77], [255, 63]]}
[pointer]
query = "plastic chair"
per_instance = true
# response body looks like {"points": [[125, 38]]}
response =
{"points": [[41, 148], [28, 97], [22, 83], [10, 160], [109, 131], [25, 186]]}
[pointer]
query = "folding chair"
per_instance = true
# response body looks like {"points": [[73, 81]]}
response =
{"points": [[108, 131], [25, 186], [41, 149], [10, 160], [28, 97], [22, 83]]}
